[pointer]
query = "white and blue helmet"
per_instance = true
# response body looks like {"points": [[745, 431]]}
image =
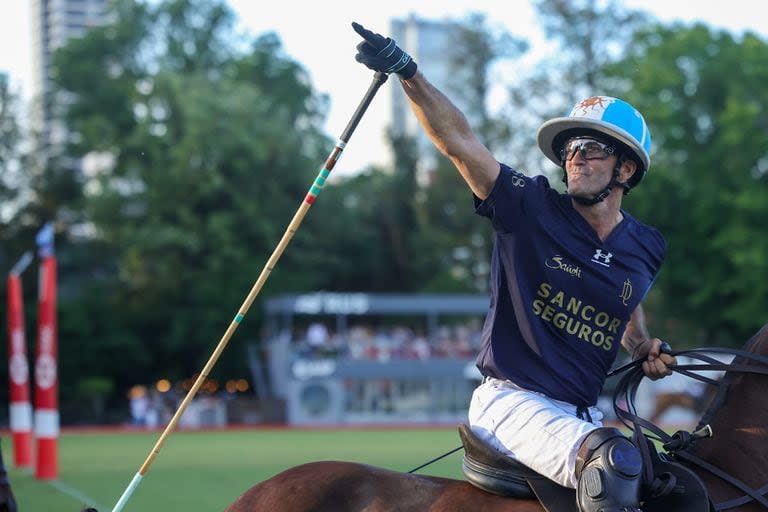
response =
{"points": [[600, 115]]}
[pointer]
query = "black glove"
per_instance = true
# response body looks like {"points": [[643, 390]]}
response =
{"points": [[381, 53]]}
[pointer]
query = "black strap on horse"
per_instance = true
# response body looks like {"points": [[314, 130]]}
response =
{"points": [[436, 459], [678, 443]]}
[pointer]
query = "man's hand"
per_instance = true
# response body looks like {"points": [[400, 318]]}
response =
{"points": [[657, 363], [381, 53]]}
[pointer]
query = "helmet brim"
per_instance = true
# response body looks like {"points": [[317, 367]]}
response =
{"points": [[550, 131]]}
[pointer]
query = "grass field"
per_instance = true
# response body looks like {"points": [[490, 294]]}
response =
{"points": [[206, 471]]}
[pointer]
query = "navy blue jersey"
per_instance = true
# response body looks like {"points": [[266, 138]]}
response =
{"points": [[560, 297]]}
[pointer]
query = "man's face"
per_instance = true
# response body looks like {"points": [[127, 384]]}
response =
{"points": [[589, 164]]}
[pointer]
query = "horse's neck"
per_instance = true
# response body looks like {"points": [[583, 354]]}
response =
{"points": [[739, 446]]}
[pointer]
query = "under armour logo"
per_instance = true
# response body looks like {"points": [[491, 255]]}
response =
{"points": [[602, 258]]}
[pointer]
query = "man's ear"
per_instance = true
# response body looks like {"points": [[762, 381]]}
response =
{"points": [[628, 169]]}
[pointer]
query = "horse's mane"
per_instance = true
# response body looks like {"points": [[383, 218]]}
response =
{"points": [[753, 346]]}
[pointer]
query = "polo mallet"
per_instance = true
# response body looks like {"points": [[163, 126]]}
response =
{"points": [[378, 80]]}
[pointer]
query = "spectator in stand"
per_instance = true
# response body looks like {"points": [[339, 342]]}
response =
{"points": [[139, 404], [317, 337]]}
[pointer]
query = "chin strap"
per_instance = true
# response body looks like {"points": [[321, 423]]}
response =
{"points": [[607, 190]]}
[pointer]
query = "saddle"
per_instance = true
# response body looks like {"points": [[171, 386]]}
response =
{"points": [[490, 470]]}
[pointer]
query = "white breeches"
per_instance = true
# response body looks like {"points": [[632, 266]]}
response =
{"points": [[538, 431]]}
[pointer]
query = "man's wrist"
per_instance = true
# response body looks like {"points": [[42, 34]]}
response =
{"points": [[408, 71], [637, 347]]}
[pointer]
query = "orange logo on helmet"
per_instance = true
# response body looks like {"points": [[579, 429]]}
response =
{"points": [[592, 103]]}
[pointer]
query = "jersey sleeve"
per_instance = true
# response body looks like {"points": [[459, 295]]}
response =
{"points": [[653, 245], [513, 197], [660, 247], [654, 251]]}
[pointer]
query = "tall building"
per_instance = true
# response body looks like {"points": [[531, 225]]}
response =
{"points": [[430, 43], [54, 22]]}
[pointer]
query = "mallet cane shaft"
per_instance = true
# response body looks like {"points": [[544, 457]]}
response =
{"points": [[378, 80]]}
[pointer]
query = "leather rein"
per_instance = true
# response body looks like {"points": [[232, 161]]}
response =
{"points": [[678, 443]]}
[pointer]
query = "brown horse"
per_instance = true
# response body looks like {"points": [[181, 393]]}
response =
{"points": [[738, 451]]}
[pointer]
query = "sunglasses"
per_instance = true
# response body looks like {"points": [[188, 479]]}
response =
{"points": [[589, 149]]}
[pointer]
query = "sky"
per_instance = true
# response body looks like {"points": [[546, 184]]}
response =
{"points": [[318, 35]]}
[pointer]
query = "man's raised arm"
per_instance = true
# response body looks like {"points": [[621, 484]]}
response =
{"points": [[443, 123]]}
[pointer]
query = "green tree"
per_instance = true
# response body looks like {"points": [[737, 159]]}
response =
{"points": [[206, 151], [587, 36], [10, 135], [11, 175], [481, 47]]}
